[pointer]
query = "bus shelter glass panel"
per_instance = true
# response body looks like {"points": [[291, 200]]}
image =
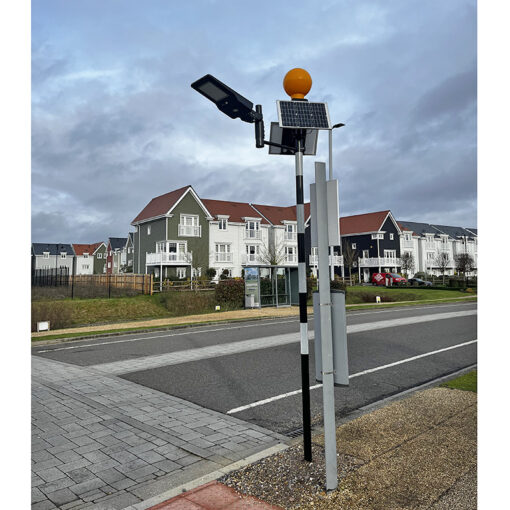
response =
{"points": [[274, 286], [251, 287]]}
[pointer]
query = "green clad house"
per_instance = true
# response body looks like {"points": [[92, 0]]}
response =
{"points": [[172, 236]]}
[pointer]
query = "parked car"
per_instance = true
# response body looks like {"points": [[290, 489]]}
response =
{"points": [[380, 279], [419, 281]]}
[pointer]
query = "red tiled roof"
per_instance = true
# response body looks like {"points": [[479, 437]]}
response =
{"points": [[80, 249], [276, 215], [235, 210], [370, 222], [160, 205]]}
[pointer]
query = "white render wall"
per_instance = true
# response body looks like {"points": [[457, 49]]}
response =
{"points": [[82, 261], [233, 235], [54, 261]]}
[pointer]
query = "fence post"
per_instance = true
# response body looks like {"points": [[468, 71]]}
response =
{"points": [[109, 285]]}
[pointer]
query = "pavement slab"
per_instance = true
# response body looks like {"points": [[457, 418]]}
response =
{"points": [[101, 440]]}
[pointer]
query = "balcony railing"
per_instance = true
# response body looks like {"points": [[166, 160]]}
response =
{"points": [[181, 258], [290, 236], [290, 259], [408, 244], [251, 259], [338, 260], [252, 234], [190, 230], [380, 261], [223, 257]]}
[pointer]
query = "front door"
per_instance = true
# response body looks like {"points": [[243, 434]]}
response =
{"points": [[366, 275]]}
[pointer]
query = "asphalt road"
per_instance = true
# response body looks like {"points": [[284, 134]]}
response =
{"points": [[227, 382]]}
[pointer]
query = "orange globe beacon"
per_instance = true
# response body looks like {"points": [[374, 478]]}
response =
{"points": [[297, 83]]}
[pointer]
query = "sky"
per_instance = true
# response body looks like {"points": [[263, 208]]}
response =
{"points": [[116, 123]]}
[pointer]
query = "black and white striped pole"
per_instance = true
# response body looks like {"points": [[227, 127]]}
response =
{"points": [[303, 314]]}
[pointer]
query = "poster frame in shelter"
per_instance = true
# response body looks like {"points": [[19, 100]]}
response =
{"points": [[252, 284]]}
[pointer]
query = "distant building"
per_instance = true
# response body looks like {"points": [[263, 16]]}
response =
{"points": [[52, 256]]}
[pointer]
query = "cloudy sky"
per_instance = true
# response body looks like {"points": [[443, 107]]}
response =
{"points": [[116, 123]]}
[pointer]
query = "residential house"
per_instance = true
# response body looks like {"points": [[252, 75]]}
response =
{"points": [[116, 254], [130, 249], [374, 239], [172, 235], [100, 258], [52, 256], [238, 237], [85, 255], [425, 242]]}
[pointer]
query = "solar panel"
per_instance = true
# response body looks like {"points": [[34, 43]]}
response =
{"points": [[302, 114]]}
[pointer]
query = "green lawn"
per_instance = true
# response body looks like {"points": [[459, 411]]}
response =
{"points": [[466, 382], [359, 294]]}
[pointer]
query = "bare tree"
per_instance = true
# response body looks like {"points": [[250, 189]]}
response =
{"points": [[442, 261], [464, 263], [350, 257], [407, 260], [272, 254]]}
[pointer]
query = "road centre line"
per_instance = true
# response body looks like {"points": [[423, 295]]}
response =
{"points": [[358, 374], [128, 340], [141, 363]]}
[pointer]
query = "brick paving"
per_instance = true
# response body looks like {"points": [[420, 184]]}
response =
{"points": [[101, 442]]}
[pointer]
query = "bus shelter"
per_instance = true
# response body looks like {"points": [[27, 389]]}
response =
{"points": [[270, 286]]}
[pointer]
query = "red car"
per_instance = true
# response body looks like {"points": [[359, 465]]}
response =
{"points": [[393, 279]]}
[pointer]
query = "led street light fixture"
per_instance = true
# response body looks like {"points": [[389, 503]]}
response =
{"points": [[227, 100]]}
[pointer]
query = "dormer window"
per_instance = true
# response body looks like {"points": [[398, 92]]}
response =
{"points": [[85, 255], [46, 255], [407, 237], [290, 232], [222, 224], [63, 254]]}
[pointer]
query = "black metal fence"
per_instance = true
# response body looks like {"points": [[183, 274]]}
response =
{"points": [[59, 284]]}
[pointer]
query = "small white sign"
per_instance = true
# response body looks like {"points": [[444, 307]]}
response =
{"points": [[43, 326], [377, 299], [217, 308]]}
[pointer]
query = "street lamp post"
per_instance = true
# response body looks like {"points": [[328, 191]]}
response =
{"points": [[297, 84]]}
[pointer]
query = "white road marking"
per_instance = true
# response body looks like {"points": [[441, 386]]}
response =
{"points": [[128, 340], [364, 372], [214, 351]]}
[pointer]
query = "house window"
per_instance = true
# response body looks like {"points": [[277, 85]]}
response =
{"points": [[353, 246], [181, 272], [46, 255], [148, 230], [222, 253], [253, 230], [99, 255], [407, 237], [290, 254], [85, 255], [222, 224], [390, 254], [197, 272], [391, 237], [226, 271], [189, 226], [63, 255], [430, 256], [290, 232], [366, 254], [252, 252], [85, 266], [109, 265], [377, 236]]}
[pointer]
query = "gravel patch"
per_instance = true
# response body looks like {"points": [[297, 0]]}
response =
{"points": [[287, 480]]}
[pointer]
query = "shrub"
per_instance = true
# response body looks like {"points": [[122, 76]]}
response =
{"points": [[210, 273], [420, 274], [311, 285], [59, 315], [230, 292], [337, 284], [188, 302]]}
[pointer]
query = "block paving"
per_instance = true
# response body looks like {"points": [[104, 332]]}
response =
{"points": [[101, 442]]}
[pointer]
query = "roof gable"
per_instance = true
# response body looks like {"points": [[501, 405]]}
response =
{"points": [[80, 249], [117, 243], [418, 228]]}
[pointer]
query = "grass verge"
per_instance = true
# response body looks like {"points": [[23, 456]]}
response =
{"points": [[466, 382]]}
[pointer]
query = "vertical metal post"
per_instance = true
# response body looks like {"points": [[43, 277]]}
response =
{"points": [[330, 136], [303, 315], [328, 388]]}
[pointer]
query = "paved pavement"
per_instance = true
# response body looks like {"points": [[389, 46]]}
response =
{"points": [[105, 443]]}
